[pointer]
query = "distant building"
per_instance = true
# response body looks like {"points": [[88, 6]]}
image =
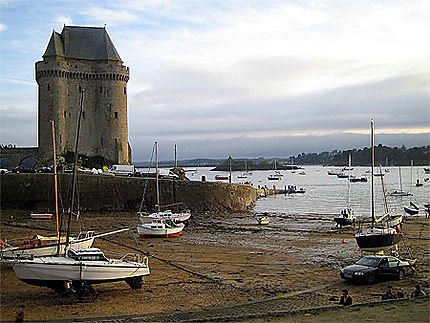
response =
{"points": [[83, 58]]}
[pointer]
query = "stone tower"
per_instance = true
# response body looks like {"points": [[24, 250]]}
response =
{"points": [[83, 58]]}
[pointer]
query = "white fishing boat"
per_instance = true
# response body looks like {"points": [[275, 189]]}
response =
{"points": [[159, 227], [84, 265], [376, 238]]}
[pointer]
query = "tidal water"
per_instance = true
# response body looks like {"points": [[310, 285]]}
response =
{"points": [[327, 195]]}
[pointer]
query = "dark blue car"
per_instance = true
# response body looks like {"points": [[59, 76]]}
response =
{"points": [[371, 268]]}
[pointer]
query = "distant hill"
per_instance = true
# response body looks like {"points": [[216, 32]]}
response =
{"points": [[197, 162], [392, 156]]}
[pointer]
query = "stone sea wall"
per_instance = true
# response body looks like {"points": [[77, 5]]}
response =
{"points": [[109, 193]]}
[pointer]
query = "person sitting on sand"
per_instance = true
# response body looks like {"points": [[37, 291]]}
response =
{"points": [[345, 300], [389, 294], [417, 292]]}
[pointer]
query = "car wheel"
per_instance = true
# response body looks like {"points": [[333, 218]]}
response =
{"points": [[401, 274], [370, 279]]}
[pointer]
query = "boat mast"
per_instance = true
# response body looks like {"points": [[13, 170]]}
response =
{"points": [[176, 157], [349, 183], [412, 165], [383, 190], [75, 162], [400, 179], [229, 169], [157, 207], [372, 143], [55, 178]]}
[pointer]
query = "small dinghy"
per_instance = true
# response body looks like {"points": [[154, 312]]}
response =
{"points": [[412, 209], [264, 220]]}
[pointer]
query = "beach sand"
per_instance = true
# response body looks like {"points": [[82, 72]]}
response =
{"points": [[235, 261]]}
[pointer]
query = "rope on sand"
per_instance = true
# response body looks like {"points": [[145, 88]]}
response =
{"points": [[168, 262]]}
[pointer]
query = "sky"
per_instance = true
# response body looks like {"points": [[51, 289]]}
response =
{"points": [[244, 78]]}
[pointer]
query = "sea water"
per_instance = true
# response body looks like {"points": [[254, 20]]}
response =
{"points": [[326, 195]]}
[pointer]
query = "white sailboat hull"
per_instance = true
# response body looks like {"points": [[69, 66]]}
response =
{"points": [[44, 250], [146, 231], [53, 269]]}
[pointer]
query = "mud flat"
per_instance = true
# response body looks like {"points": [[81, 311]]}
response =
{"points": [[233, 266]]}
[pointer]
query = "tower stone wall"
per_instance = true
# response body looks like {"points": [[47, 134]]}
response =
{"points": [[83, 58]]}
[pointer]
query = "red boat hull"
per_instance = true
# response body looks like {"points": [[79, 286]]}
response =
{"points": [[160, 235]]}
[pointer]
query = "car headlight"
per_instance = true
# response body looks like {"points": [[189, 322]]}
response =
{"points": [[359, 274]]}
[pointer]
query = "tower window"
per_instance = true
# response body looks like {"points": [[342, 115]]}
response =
{"points": [[101, 89], [83, 114], [49, 87], [60, 139], [65, 114], [80, 89], [125, 90], [70, 114], [116, 115]]}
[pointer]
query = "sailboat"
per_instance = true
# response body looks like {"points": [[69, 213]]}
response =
{"points": [[246, 173], [161, 223], [376, 238], [400, 192], [84, 266], [412, 208], [41, 246], [347, 215], [276, 176]]}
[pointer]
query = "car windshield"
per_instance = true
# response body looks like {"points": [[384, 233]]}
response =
{"points": [[367, 261]]}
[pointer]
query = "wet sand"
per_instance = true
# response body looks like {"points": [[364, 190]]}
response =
{"points": [[243, 263]]}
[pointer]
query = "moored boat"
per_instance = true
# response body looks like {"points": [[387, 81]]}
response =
{"points": [[411, 209], [380, 236], [180, 217], [264, 220], [41, 216], [347, 215], [355, 179], [377, 239], [159, 227], [221, 177]]}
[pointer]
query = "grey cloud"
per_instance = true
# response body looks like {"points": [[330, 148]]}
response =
{"points": [[343, 108]]}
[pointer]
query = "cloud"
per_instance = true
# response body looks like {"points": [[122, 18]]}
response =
{"points": [[109, 16], [64, 20], [17, 82], [3, 27]]}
